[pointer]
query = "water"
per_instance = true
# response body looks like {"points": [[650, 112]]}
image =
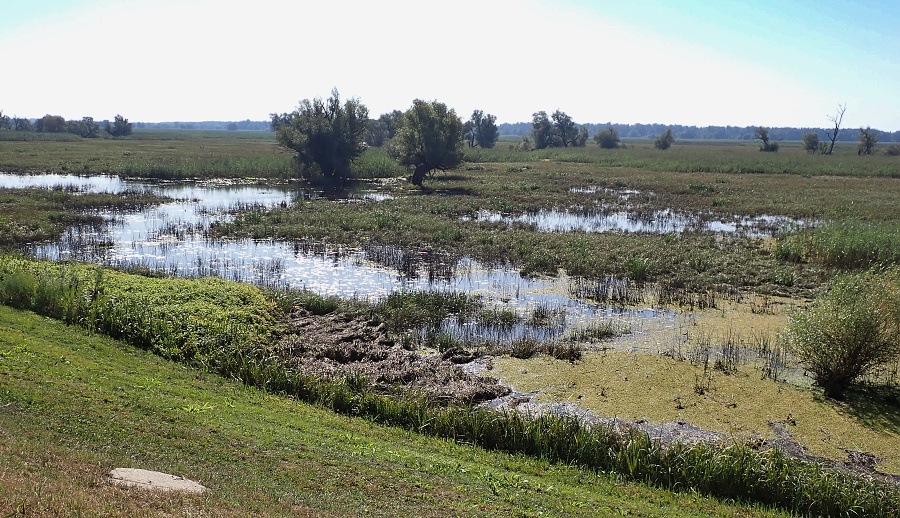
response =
{"points": [[656, 222], [173, 237]]}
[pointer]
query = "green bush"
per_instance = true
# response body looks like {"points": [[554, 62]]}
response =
{"points": [[851, 329]]}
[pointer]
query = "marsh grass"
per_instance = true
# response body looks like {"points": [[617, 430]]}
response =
{"points": [[845, 243], [40, 215], [224, 327]]}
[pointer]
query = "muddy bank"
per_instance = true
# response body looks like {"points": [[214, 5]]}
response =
{"points": [[336, 345]]}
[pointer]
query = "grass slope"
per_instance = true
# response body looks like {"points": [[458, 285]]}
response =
{"points": [[75, 405]]}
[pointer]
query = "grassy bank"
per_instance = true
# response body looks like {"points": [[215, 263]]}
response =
{"points": [[224, 327], [74, 405]]}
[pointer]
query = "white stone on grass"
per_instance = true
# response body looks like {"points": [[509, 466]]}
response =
{"points": [[146, 479]]}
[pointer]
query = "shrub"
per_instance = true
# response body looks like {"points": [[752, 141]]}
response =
{"points": [[811, 142], [849, 330]]}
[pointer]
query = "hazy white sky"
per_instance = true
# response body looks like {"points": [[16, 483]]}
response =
{"points": [[700, 62]]}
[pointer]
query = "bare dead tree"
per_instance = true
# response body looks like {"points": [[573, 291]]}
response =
{"points": [[835, 119]]}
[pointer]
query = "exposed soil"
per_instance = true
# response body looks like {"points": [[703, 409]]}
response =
{"points": [[337, 345]]}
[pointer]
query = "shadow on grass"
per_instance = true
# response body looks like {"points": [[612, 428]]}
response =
{"points": [[877, 407]]}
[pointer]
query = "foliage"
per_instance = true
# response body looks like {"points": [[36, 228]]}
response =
{"points": [[22, 125], [557, 130], [565, 129], [209, 323], [50, 124], [811, 142], [5, 122], [85, 128], [762, 134], [853, 328], [120, 127], [481, 130], [867, 139], [665, 140], [892, 150], [382, 129], [429, 138], [607, 138], [324, 135]]}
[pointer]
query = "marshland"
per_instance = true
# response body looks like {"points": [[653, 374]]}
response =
{"points": [[635, 315]]}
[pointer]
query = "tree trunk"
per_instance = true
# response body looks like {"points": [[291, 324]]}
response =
{"points": [[419, 174]]}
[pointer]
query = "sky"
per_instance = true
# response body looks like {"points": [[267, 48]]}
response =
{"points": [[692, 62]]}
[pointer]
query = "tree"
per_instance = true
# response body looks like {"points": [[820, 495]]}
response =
{"points": [[811, 142], [85, 128], [762, 134], [22, 124], [51, 124], [607, 138], [834, 133], [429, 137], [119, 128], [5, 122], [564, 128], [665, 140], [481, 130], [581, 139], [469, 132], [325, 135], [541, 130], [382, 129], [867, 139]]}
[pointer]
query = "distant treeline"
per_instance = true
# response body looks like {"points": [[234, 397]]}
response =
{"points": [[651, 131], [208, 125]]}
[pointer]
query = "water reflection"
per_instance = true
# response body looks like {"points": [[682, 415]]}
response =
{"points": [[656, 222], [173, 238]]}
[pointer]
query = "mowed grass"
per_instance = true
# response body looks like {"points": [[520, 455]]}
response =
{"points": [[75, 405]]}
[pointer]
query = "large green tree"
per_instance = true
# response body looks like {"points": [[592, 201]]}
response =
{"points": [[120, 127], [85, 128], [429, 137], [484, 129], [325, 135], [557, 130], [51, 124]]}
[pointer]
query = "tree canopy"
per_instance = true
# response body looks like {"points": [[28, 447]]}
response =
{"points": [[607, 138], [481, 130], [325, 135], [120, 127], [665, 140], [429, 137], [557, 130]]}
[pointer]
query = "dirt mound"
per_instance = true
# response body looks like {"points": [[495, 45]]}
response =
{"points": [[336, 345]]}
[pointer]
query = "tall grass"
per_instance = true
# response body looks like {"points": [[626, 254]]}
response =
{"points": [[848, 243], [225, 326]]}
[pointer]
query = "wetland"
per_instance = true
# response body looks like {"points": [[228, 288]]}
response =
{"points": [[588, 283]]}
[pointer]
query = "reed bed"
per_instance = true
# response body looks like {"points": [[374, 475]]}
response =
{"points": [[224, 327]]}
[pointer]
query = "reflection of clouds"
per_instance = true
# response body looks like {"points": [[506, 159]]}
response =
{"points": [[657, 222]]}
